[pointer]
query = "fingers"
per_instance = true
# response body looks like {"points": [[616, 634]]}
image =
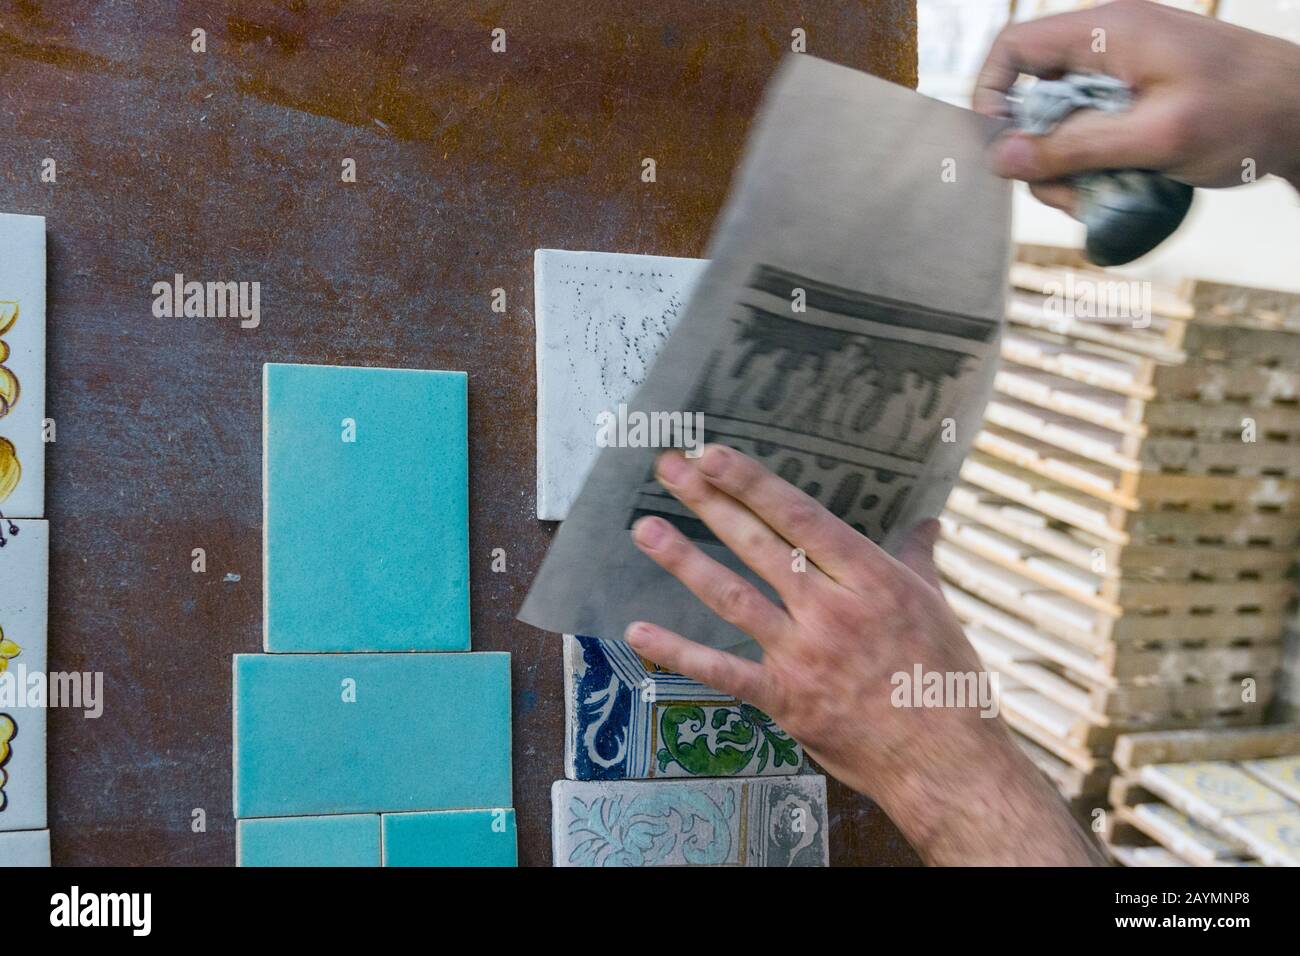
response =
{"points": [[742, 679], [1046, 48], [745, 533], [1058, 195], [722, 590], [1147, 137], [828, 542]]}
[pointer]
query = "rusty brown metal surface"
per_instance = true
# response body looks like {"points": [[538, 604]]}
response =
{"points": [[226, 165]]}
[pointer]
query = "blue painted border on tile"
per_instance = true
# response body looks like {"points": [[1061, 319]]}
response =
{"points": [[612, 732], [426, 732], [450, 838], [348, 840], [599, 708], [365, 544]]}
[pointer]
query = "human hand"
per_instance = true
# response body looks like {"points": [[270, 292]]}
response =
{"points": [[952, 780], [1214, 104]]}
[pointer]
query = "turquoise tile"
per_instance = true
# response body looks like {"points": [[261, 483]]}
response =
{"points": [[308, 841], [450, 838], [366, 733], [366, 541]]}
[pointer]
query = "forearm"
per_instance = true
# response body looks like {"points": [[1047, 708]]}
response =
{"points": [[984, 803]]}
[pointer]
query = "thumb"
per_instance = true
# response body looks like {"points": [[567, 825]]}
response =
{"points": [[1143, 138], [917, 551]]}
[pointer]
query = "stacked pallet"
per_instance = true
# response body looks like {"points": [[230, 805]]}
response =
{"points": [[1286, 705], [1207, 798], [1120, 542]]}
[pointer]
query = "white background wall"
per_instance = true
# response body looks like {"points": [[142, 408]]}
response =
{"points": [[1248, 235]]}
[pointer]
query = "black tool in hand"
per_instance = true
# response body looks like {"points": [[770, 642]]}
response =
{"points": [[1128, 212]]}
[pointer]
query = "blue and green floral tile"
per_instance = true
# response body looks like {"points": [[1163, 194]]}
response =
{"points": [[751, 821], [626, 719]]}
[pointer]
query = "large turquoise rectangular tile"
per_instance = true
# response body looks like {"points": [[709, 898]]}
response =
{"points": [[349, 840], [367, 733], [450, 838], [366, 523]]}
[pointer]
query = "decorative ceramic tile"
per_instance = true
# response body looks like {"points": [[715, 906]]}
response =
{"points": [[366, 526], [368, 733], [626, 718], [1280, 773], [1273, 837], [24, 591], [349, 840], [1144, 856], [22, 367], [450, 838], [601, 318], [1184, 835], [24, 848], [1209, 791], [754, 821]]}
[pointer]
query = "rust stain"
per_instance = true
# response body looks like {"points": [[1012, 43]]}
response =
{"points": [[894, 57], [489, 18], [54, 54], [695, 58], [241, 30], [32, 14]]}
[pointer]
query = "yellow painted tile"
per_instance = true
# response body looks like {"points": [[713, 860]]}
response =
{"points": [[1273, 837], [1205, 789], [1280, 773]]}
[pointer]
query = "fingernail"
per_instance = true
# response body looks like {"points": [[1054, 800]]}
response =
{"points": [[714, 461], [649, 532], [637, 632], [1015, 157], [673, 468]]}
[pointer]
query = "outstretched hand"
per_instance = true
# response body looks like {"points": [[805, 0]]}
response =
{"points": [[851, 617], [1215, 105]]}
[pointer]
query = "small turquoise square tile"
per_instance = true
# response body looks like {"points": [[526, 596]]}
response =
{"points": [[366, 509], [450, 838], [351, 840], [369, 733]]}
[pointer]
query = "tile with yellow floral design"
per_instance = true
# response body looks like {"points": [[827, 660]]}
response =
{"points": [[24, 563], [24, 429]]}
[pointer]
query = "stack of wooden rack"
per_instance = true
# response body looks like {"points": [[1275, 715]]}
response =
{"points": [[1206, 798], [1120, 543]]}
